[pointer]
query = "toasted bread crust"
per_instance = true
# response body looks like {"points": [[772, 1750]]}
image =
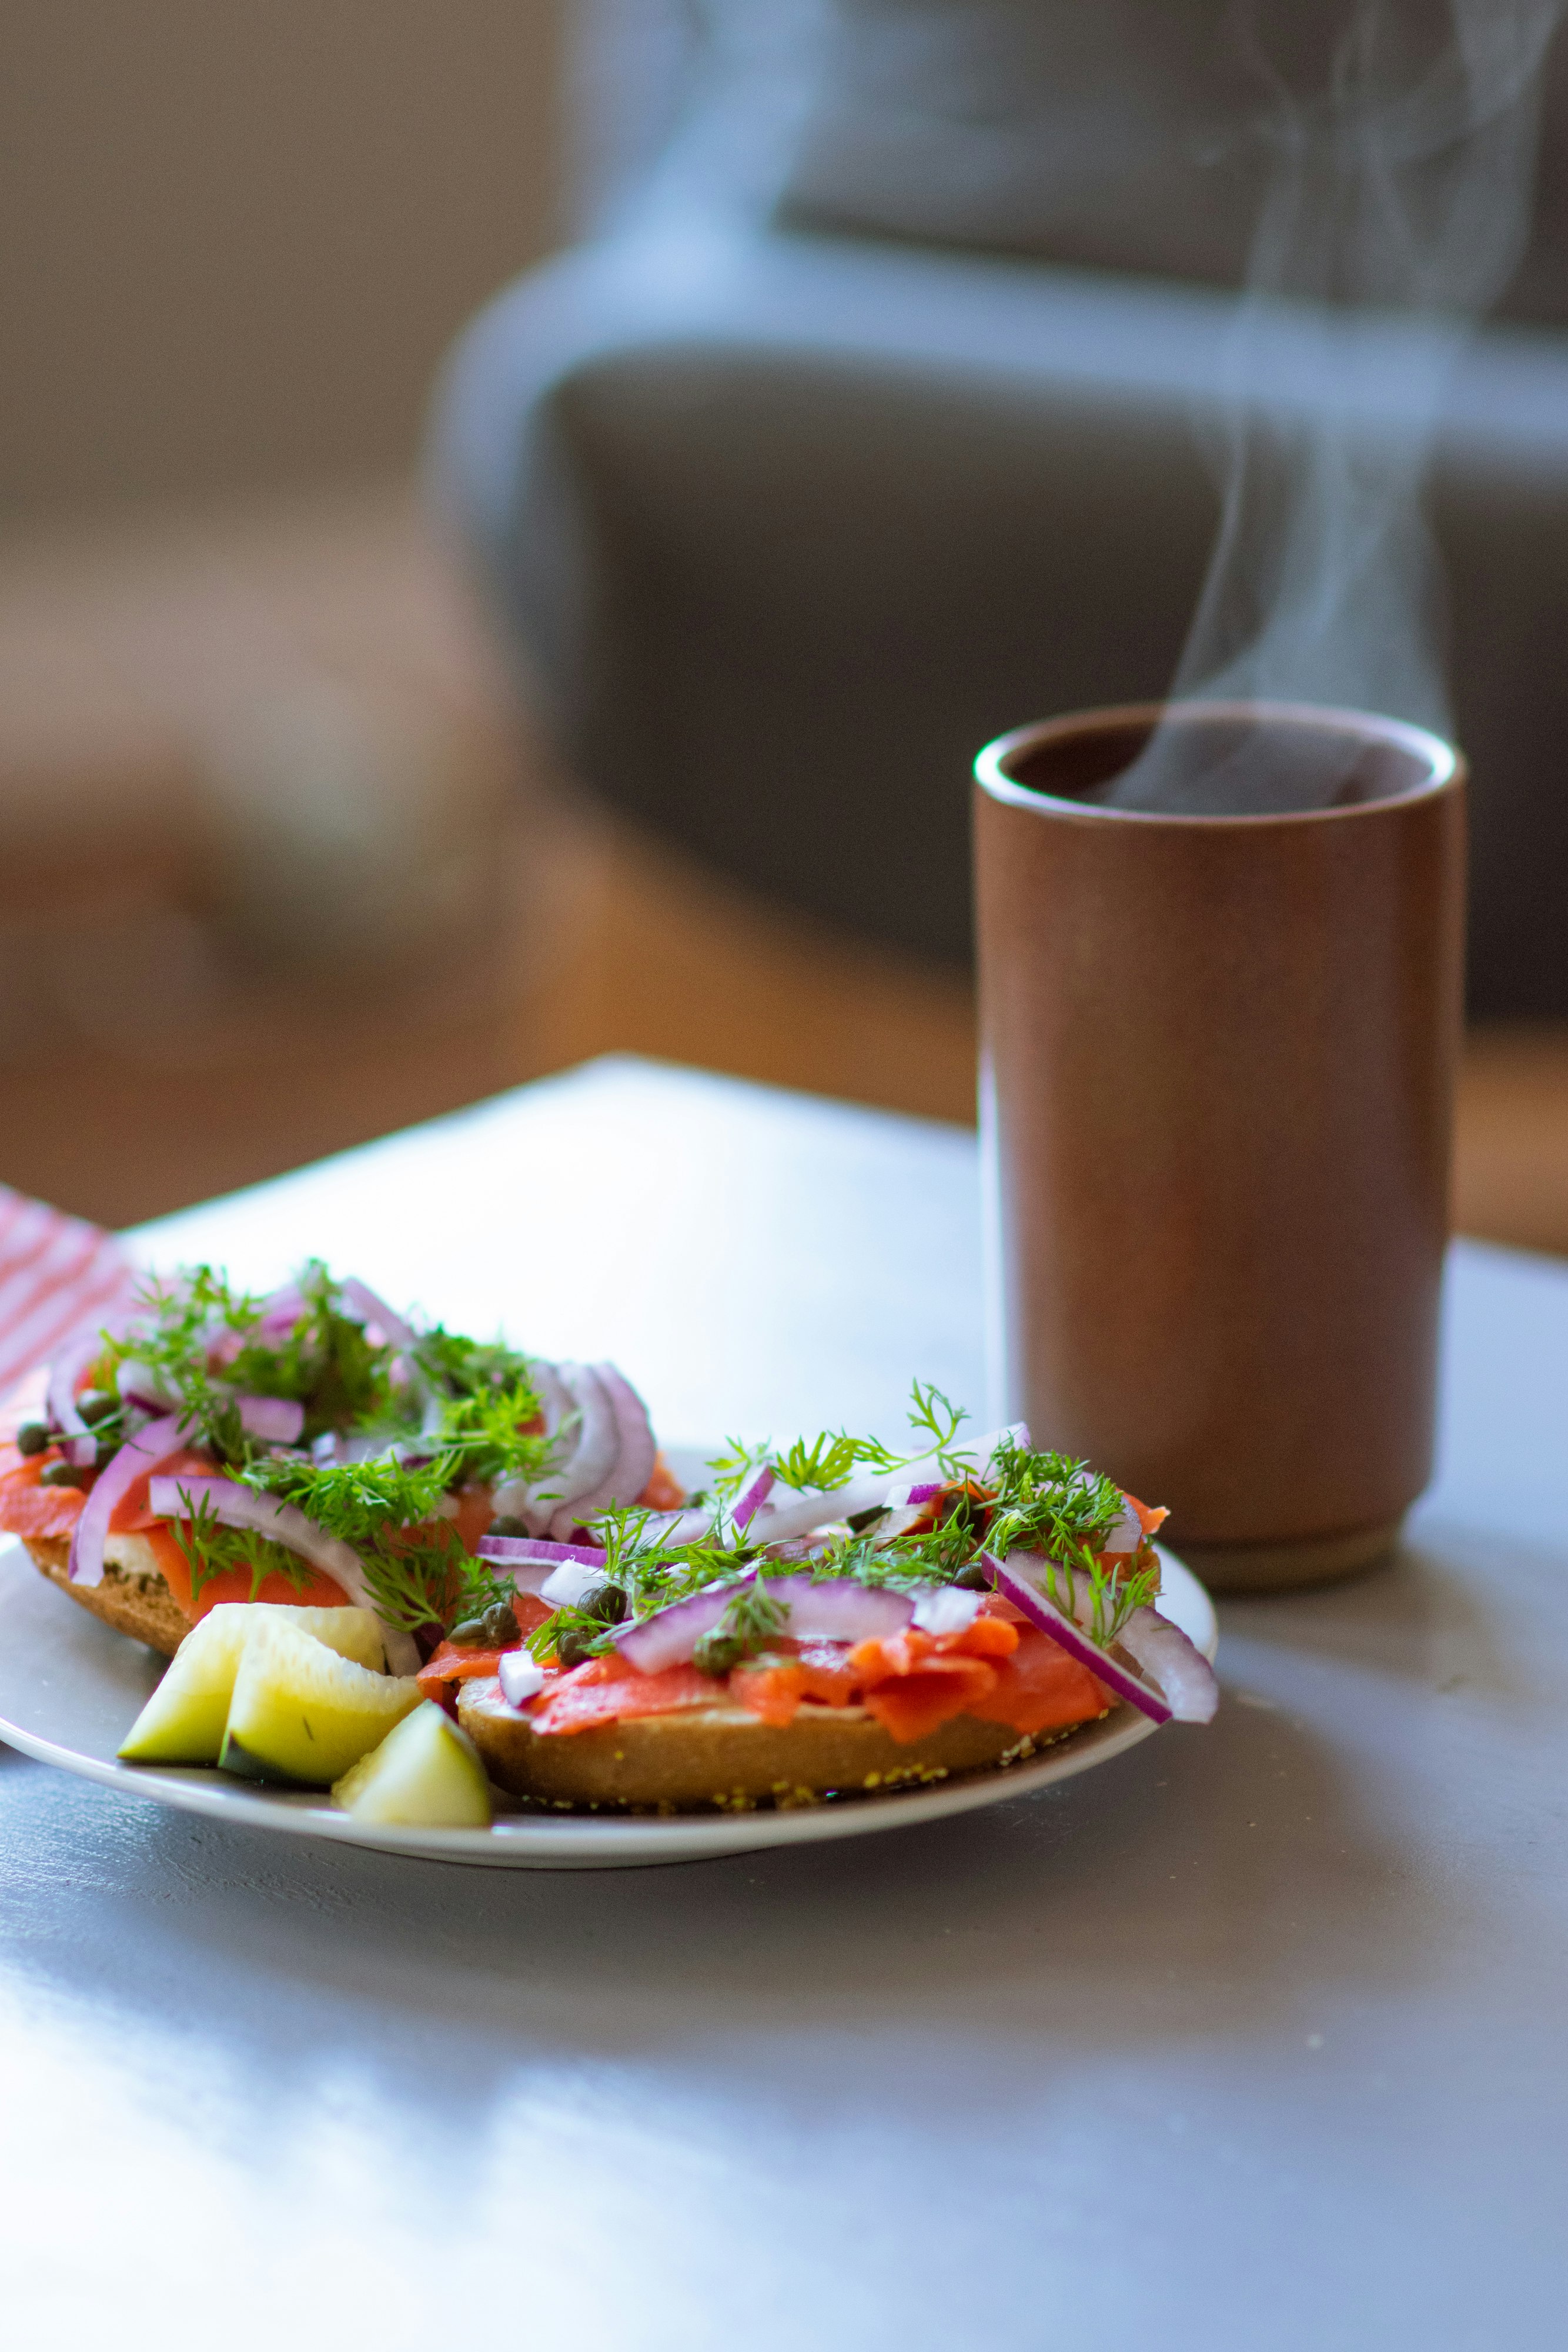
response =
{"points": [[133, 1597], [722, 1757]]}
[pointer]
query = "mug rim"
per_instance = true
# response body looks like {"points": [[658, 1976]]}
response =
{"points": [[1444, 761]]}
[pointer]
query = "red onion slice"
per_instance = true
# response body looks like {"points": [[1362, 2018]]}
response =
{"points": [[80, 1445], [751, 1502], [139, 1384], [1013, 1579], [593, 1457], [839, 1609], [362, 1305], [280, 1313], [138, 1453], [535, 1551], [1181, 1670], [635, 1447], [520, 1677], [276, 1420], [242, 1506], [670, 1635], [526, 1499]]}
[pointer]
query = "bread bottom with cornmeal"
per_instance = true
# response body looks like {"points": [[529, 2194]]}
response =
{"points": [[722, 1756], [132, 1598]]}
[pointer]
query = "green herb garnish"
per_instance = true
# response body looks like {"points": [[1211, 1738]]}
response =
{"points": [[211, 1549]]}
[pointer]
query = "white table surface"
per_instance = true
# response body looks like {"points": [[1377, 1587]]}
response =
{"points": [[1254, 2040]]}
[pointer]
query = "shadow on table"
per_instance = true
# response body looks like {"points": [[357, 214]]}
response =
{"points": [[1428, 1617], [1208, 1883]]}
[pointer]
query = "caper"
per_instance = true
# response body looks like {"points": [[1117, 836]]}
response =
{"points": [[470, 1634], [509, 1524], [716, 1653], [975, 1578], [500, 1626], [858, 1521], [32, 1437], [97, 1404], [61, 1473], [108, 1447], [574, 1645], [606, 1601]]}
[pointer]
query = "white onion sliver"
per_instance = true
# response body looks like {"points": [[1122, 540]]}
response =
{"points": [[567, 1585], [946, 1609], [520, 1677], [1125, 1534], [776, 1522]]}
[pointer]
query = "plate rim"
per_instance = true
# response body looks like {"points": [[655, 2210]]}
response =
{"points": [[579, 1841]]}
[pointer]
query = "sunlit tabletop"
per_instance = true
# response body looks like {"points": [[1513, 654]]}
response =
{"points": [[1255, 2038]]}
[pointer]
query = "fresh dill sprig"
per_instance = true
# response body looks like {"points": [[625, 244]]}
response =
{"points": [[828, 1460], [832, 1458], [485, 1432], [459, 1367], [211, 1549], [203, 1342], [1049, 1503], [751, 1621], [326, 1361], [176, 1324], [419, 1583], [931, 1412], [356, 1501]]}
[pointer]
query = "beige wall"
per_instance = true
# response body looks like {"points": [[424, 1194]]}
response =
{"points": [[237, 233]]}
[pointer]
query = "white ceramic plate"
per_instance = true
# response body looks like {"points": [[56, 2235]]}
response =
{"points": [[71, 1690]]}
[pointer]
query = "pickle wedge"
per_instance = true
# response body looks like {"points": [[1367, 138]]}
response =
{"points": [[301, 1714], [425, 1775], [183, 1721]]}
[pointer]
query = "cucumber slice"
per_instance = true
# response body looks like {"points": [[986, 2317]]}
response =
{"points": [[183, 1722], [301, 1714], [425, 1775]]}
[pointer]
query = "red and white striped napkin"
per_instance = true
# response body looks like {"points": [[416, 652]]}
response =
{"points": [[60, 1279]]}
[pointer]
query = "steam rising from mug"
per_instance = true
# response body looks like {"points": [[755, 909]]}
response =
{"points": [[1397, 206]]}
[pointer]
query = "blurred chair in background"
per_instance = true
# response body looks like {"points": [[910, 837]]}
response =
{"points": [[860, 427], [787, 518]]}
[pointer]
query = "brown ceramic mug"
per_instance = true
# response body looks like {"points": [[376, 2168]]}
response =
{"points": [[1218, 1058]]}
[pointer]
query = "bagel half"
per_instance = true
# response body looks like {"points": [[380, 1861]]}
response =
{"points": [[132, 1598], [723, 1757]]}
